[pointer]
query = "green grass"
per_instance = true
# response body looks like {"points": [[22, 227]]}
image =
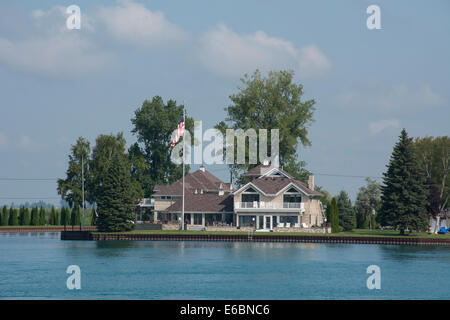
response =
{"points": [[353, 233]]}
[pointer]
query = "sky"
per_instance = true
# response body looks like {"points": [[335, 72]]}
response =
{"points": [[58, 84]]}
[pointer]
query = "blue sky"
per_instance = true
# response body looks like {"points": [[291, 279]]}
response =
{"points": [[59, 84]]}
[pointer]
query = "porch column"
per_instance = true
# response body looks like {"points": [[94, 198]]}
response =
{"points": [[203, 219], [192, 218], [271, 222], [257, 222], [237, 220], [155, 216]]}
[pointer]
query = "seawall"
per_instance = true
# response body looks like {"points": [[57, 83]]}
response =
{"points": [[86, 235]]}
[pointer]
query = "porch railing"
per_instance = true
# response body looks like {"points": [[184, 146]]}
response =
{"points": [[270, 205]]}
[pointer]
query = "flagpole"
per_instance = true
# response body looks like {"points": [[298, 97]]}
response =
{"points": [[182, 202]]}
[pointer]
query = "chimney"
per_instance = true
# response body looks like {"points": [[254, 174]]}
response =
{"points": [[202, 168], [265, 162], [311, 182]]}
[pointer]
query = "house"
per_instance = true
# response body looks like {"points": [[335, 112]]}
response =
{"points": [[273, 200], [270, 200], [208, 202]]}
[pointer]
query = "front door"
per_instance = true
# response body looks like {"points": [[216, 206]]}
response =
{"points": [[268, 223]]}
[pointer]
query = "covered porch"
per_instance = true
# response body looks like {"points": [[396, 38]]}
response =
{"points": [[270, 221], [202, 219]]}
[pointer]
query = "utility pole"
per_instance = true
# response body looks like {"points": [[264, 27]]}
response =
{"points": [[82, 189], [182, 207]]}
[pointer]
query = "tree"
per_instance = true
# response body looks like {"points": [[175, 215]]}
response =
{"points": [[367, 203], [269, 103], [116, 200], [70, 188], [5, 217], [75, 218], [42, 217], [153, 124], [433, 155], [13, 218], [334, 216], [64, 216], [93, 217], [57, 217], [34, 216], [346, 211], [26, 216], [404, 193]]}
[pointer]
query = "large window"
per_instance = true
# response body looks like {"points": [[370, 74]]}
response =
{"points": [[247, 221], [197, 218], [289, 219], [250, 195]]}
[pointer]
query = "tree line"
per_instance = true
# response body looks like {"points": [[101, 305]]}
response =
{"points": [[40, 216]]}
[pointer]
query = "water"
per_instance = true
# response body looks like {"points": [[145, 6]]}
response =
{"points": [[33, 266]]}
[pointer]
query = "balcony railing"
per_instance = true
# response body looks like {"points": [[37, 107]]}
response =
{"points": [[270, 205]]}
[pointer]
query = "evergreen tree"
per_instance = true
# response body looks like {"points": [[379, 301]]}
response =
{"points": [[26, 216], [75, 218], [21, 215], [34, 216], [57, 217], [346, 211], [64, 219], [116, 199], [5, 217], [42, 219], [404, 193], [52, 220], [13, 217], [93, 217], [334, 216]]}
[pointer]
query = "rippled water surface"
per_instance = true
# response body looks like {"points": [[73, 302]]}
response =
{"points": [[33, 266]]}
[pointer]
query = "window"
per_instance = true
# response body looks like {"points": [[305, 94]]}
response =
{"points": [[250, 195], [197, 218], [289, 219], [247, 221]]}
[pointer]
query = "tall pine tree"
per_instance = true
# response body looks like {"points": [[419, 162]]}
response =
{"points": [[404, 193], [346, 211], [116, 200], [334, 216]]}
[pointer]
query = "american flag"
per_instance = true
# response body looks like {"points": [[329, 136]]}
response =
{"points": [[180, 131]]}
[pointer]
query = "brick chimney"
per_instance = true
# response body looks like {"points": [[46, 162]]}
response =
{"points": [[202, 168], [311, 182]]}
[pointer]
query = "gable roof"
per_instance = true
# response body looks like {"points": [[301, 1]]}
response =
{"points": [[275, 185], [200, 180], [204, 203]]}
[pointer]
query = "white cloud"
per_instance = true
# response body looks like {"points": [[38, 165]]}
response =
{"points": [[378, 126], [225, 52], [395, 100], [53, 50], [133, 23]]}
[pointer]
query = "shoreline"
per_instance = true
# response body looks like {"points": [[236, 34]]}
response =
{"points": [[92, 236]]}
